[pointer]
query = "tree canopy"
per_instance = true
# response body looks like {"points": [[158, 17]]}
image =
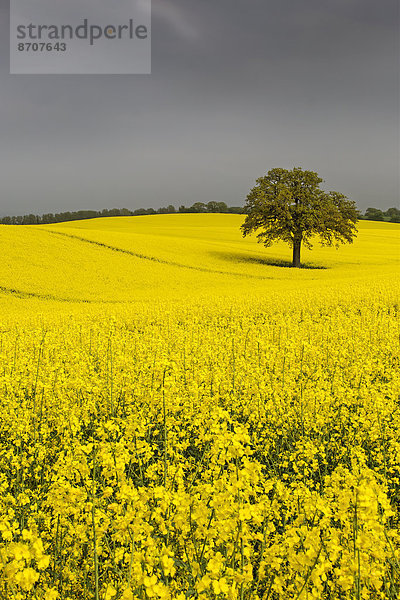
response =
{"points": [[374, 214], [290, 206]]}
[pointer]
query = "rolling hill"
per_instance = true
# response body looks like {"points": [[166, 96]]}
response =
{"points": [[134, 259]]}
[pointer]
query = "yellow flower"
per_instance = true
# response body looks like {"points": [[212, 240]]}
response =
{"points": [[220, 586], [168, 565], [27, 578], [150, 583], [110, 592], [203, 584]]}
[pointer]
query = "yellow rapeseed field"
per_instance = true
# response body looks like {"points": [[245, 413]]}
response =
{"points": [[185, 417]]}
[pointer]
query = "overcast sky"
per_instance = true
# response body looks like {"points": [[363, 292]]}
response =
{"points": [[237, 88]]}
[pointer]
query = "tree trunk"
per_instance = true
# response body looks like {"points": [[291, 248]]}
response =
{"points": [[296, 252]]}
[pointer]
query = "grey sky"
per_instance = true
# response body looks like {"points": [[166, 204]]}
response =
{"points": [[237, 87]]}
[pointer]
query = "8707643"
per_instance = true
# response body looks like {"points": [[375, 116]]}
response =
{"points": [[42, 47]]}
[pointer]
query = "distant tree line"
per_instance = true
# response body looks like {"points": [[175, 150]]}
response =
{"points": [[371, 214], [197, 207], [375, 214]]}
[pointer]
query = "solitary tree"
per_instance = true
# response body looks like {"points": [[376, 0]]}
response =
{"points": [[290, 206]]}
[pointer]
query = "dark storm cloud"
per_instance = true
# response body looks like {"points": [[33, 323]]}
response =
{"points": [[237, 88]]}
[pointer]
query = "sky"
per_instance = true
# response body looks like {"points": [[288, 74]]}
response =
{"points": [[237, 88]]}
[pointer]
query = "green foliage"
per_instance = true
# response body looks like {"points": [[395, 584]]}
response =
{"points": [[217, 207], [374, 214], [210, 207], [197, 207], [290, 206], [393, 214]]}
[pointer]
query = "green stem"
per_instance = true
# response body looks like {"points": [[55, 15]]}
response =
{"points": [[95, 557]]}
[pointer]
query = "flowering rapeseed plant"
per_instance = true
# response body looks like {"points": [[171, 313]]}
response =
{"points": [[207, 448]]}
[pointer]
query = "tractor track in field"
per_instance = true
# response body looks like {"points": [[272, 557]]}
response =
{"points": [[154, 259], [22, 294], [43, 296]]}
